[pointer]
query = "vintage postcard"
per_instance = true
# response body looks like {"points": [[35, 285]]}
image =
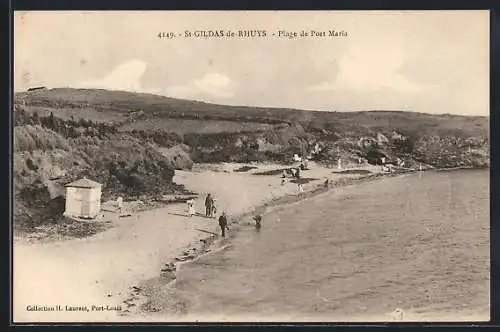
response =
{"points": [[264, 166]]}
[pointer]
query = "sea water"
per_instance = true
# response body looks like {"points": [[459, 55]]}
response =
{"points": [[418, 242]]}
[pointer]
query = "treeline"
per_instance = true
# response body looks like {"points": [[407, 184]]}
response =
{"points": [[160, 137], [71, 128]]}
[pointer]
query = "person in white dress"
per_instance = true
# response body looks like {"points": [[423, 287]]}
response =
{"points": [[190, 206], [301, 190], [119, 203]]}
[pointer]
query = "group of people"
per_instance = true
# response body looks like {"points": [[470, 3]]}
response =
{"points": [[295, 172], [211, 210]]}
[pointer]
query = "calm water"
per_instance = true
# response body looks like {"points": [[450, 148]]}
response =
{"points": [[418, 242]]}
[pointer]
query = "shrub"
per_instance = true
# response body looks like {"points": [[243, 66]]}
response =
{"points": [[30, 138], [177, 158]]}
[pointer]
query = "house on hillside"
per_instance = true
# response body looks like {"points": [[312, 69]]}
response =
{"points": [[83, 199], [37, 88]]}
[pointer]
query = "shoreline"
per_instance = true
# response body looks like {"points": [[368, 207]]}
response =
{"points": [[48, 233], [145, 298], [169, 312], [146, 250]]}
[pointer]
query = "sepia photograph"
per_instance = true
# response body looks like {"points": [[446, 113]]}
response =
{"points": [[251, 166]]}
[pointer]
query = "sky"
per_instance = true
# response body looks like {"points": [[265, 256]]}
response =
{"points": [[430, 61]]}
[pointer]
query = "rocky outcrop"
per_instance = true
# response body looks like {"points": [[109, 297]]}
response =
{"points": [[452, 151], [436, 151], [177, 157]]}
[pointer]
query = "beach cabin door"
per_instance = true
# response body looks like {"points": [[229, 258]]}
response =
{"points": [[78, 199], [86, 206]]}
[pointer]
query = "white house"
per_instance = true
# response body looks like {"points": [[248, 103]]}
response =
{"points": [[83, 198]]}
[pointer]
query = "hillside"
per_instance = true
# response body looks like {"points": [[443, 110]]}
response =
{"points": [[140, 111], [132, 142], [49, 153]]}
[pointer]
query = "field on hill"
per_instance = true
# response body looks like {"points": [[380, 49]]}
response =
{"points": [[134, 108]]}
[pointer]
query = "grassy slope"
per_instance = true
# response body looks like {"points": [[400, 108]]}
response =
{"points": [[44, 161], [139, 110]]}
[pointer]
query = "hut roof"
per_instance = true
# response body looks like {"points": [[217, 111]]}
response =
{"points": [[84, 183], [37, 88]]}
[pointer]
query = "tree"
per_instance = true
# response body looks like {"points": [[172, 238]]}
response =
{"points": [[36, 118], [52, 121]]}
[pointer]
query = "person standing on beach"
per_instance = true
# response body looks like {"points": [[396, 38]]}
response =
{"points": [[209, 203], [119, 202], [301, 190], [190, 206], [214, 209], [326, 183], [223, 223]]}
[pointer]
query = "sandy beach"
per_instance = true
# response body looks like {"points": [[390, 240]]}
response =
{"points": [[99, 278]]}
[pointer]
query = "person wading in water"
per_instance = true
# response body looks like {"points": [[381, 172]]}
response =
{"points": [[258, 219], [223, 223]]}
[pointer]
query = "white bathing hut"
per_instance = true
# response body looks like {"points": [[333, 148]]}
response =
{"points": [[83, 199]]}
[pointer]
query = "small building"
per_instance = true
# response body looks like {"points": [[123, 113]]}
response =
{"points": [[83, 199], [37, 88]]}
